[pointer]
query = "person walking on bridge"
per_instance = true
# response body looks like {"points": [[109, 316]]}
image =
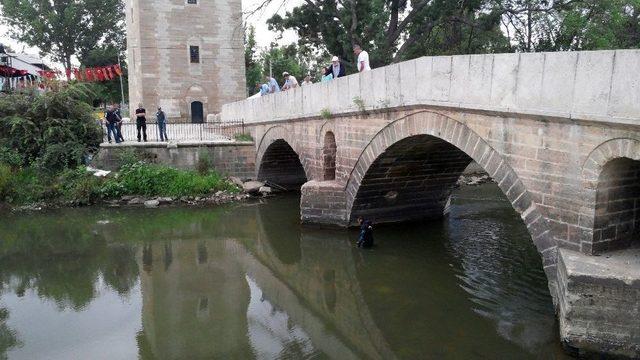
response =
{"points": [[365, 239], [273, 85]]}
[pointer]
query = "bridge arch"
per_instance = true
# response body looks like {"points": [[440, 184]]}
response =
{"points": [[278, 159], [428, 151], [611, 182]]}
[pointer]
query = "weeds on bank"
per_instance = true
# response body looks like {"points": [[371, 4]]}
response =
{"points": [[243, 137]]}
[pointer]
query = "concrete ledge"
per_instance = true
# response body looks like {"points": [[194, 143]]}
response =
{"points": [[174, 144], [599, 301]]}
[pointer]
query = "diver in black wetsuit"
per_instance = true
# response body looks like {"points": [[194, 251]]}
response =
{"points": [[365, 240]]}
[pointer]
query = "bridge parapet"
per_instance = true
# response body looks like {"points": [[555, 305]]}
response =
{"points": [[586, 85]]}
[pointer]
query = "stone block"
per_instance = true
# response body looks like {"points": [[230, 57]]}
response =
{"points": [[441, 78], [504, 80], [459, 78], [598, 301], [624, 100], [593, 82], [424, 78], [530, 74], [558, 81], [408, 82]]}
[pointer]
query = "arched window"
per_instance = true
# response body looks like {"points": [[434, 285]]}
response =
{"points": [[329, 156]]}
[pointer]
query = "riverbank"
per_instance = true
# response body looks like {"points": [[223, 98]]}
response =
{"points": [[134, 184]]}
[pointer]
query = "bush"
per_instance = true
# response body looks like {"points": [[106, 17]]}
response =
{"points": [[54, 130], [243, 137], [80, 187], [5, 180], [157, 180], [204, 164]]}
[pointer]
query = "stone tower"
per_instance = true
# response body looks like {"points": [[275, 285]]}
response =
{"points": [[186, 56]]}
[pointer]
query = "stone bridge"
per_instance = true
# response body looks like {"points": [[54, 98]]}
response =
{"points": [[558, 132]]}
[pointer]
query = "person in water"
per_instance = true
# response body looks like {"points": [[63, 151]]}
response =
{"points": [[365, 240]]}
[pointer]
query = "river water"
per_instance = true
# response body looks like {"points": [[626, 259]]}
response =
{"points": [[247, 281]]}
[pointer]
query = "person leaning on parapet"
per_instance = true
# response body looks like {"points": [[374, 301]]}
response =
{"points": [[307, 80], [290, 81], [112, 119], [337, 68], [272, 84], [141, 122], [263, 89], [161, 118], [116, 108], [363, 58]]}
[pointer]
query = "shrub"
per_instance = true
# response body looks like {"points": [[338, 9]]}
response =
{"points": [[204, 164], [326, 114], [157, 180], [80, 186], [53, 130], [5, 180], [243, 137]]}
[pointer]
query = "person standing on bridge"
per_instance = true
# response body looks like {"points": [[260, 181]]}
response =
{"points": [[365, 239], [272, 84], [112, 120], [161, 118], [337, 68], [116, 108], [290, 82], [363, 58], [141, 122]]}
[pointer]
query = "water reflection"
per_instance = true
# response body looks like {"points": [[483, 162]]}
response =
{"points": [[246, 281]]}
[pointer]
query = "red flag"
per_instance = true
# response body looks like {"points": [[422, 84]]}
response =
{"points": [[80, 76], [68, 72], [117, 69], [99, 74], [109, 73], [88, 74]]}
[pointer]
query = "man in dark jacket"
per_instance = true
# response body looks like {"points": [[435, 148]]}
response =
{"points": [[365, 240], [336, 69], [141, 122], [162, 124], [112, 118]]}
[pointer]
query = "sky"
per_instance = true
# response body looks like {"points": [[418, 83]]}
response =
{"points": [[263, 36]]}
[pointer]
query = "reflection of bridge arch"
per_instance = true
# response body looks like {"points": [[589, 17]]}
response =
{"points": [[278, 159], [325, 281], [409, 168]]}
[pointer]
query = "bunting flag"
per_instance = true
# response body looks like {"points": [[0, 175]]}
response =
{"points": [[117, 69], [109, 73], [68, 72], [89, 74]]}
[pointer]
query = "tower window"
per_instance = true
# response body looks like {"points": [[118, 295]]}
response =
{"points": [[192, 2], [194, 53]]}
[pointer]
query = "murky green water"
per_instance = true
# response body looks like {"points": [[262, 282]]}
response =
{"points": [[246, 281]]}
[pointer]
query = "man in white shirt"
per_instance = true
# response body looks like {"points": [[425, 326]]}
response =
{"points": [[290, 81], [363, 58]]}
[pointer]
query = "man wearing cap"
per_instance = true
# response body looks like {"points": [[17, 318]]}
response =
{"points": [[337, 68], [290, 81]]}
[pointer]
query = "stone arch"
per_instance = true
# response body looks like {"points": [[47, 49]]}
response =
{"points": [[278, 158], [611, 182], [449, 135], [329, 150]]}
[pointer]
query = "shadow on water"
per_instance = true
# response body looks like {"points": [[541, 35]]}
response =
{"points": [[247, 281]]}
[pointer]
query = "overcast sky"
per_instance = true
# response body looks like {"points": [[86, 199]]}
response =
{"points": [[263, 36]]}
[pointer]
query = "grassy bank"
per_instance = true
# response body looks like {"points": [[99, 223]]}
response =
{"points": [[26, 186]]}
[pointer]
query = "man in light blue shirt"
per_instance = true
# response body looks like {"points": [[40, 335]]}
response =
{"points": [[264, 89], [272, 84]]}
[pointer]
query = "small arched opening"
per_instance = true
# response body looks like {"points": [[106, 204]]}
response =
{"points": [[281, 168], [617, 209], [329, 156], [197, 112]]}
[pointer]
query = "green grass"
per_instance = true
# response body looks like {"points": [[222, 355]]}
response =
{"points": [[78, 187]]}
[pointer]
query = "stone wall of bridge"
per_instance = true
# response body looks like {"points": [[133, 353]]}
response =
{"points": [[558, 132]]}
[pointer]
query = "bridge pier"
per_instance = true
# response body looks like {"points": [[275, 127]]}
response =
{"points": [[324, 203]]}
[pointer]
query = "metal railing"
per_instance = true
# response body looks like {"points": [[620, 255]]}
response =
{"points": [[209, 131]]}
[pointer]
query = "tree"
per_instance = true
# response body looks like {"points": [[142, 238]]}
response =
{"points": [[296, 60], [251, 61], [394, 30], [107, 91], [64, 28]]}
